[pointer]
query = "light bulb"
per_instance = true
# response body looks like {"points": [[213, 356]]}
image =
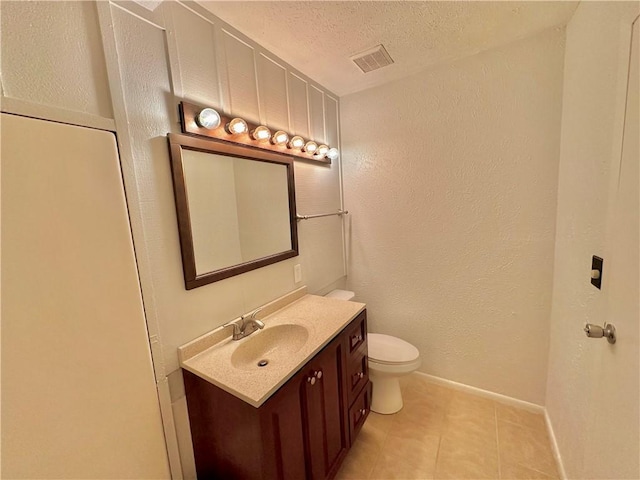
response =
{"points": [[280, 138], [296, 142], [322, 150], [208, 118], [333, 153], [310, 147], [261, 133], [237, 126]]}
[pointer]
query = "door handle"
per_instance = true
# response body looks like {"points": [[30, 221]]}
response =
{"points": [[596, 331]]}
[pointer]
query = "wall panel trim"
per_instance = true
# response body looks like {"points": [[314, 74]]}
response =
{"points": [[56, 114]]}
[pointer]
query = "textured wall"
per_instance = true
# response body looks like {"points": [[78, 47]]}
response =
{"points": [[42, 42], [595, 77], [451, 177]]}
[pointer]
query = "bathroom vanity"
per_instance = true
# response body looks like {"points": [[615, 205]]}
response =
{"points": [[295, 417]]}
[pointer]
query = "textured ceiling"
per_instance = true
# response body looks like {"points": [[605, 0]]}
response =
{"points": [[318, 37]]}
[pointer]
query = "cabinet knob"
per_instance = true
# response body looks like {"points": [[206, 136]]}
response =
{"points": [[318, 374], [311, 380], [363, 411], [361, 375]]}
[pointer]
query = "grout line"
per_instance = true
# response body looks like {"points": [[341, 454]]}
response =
{"points": [[435, 465], [495, 416]]}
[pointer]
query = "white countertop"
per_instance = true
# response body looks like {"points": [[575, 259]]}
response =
{"points": [[209, 356]]}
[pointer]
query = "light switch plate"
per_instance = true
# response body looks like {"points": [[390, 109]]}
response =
{"points": [[297, 273]]}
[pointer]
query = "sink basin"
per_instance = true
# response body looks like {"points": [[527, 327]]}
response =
{"points": [[271, 345]]}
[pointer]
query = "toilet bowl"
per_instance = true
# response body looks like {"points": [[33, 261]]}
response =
{"points": [[389, 358]]}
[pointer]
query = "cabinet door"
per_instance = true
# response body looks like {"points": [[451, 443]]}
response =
{"points": [[323, 412], [282, 437]]}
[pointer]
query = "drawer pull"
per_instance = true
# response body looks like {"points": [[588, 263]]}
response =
{"points": [[318, 374], [356, 339], [362, 413], [311, 380]]}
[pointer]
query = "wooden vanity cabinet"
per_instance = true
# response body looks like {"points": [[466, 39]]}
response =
{"points": [[326, 431], [303, 431]]}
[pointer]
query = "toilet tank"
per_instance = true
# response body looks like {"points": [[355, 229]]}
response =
{"points": [[341, 294]]}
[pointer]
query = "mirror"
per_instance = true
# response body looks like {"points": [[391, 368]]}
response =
{"points": [[235, 207]]}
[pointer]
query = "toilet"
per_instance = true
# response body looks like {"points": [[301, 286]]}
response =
{"points": [[389, 359]]}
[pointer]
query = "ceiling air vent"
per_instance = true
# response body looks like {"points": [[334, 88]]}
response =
{"points": [[372, 59]]}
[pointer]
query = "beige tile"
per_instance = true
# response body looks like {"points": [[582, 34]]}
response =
{"points": [[462, 459], [379, 421], [518, 416], [417, 387], [445, 433], [375, 429], [471, 420], [417, 417], [519, 472], [476, 419], [360, 460], [471, 435], [407, 458], [468, 404], [526, 447]]}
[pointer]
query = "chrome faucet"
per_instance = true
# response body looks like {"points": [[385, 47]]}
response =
{"points": [[245, 325]]}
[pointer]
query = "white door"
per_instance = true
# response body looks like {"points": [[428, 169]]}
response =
{"points": [[78, 391], [613, 442]]}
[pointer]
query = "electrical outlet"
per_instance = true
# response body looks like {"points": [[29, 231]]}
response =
{"points": [[297, 273]]}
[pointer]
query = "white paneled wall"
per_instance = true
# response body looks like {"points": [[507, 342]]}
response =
{"points": [[316, 113], [274, 101], [42, 44], [242, 88], [298, 105], [200, 62], [131, 66]]}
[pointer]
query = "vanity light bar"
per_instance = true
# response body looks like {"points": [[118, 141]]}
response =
{"points": [[261, 133], [280, 138], [208, 118], [208, 122]]}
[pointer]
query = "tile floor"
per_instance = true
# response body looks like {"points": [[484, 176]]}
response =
{"points": [[443, 433]]}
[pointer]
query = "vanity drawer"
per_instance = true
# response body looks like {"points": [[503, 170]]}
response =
{"points": [[357, 373], [359, 411], [357, 333]]}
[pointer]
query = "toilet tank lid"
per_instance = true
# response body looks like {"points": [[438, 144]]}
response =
{"points": [[341, 294], [388, 349]]}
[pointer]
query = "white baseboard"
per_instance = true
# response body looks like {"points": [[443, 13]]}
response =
{"points": [[506, 400], [498, 397]]}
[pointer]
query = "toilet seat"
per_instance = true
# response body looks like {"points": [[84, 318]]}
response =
{"points": [[388, 350]]}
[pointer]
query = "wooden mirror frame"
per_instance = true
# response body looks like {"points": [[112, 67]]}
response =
{"points": [[176, 144]]}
